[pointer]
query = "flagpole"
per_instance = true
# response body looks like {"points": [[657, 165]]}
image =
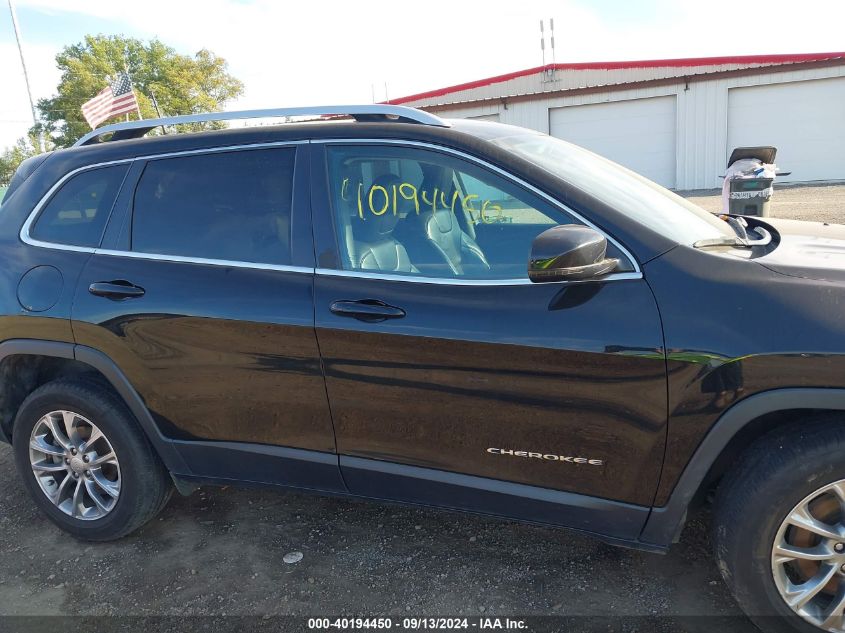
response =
{"points": [[25, 73], [158, 111], [126, 70]]}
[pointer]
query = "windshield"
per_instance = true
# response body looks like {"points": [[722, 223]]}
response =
{"points": [[639, 198]]}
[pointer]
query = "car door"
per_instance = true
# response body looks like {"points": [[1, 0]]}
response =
{"points": [[455, 380], [203, 298]]}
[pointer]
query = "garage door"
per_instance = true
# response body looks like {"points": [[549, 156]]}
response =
{"points": [[805, 120], [637, 133]]}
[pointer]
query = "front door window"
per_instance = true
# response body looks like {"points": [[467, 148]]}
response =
{"points": [[416, 212]]}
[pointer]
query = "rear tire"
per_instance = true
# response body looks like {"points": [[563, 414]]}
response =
{"points": [[759, 505], [86, 462]]}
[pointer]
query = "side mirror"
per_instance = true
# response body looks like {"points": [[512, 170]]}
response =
{"points": [[569, 252]]}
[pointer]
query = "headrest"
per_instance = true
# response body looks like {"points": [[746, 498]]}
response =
{"points": [[436, 176], [442, 219]]}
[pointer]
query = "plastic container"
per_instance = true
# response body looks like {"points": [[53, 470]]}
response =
{"points": [[750, 195]]}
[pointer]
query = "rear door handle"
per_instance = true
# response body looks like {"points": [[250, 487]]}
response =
{"points": [[118, 289], [371, 310]]}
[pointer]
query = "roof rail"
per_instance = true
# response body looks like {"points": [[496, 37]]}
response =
{"points": [[373, 112]]}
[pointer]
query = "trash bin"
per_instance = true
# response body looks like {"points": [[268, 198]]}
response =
{"points": [[750, 196], [748, 182]]}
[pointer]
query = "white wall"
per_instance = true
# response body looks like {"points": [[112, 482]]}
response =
{"points": [[702, 118], [805, 120], [638, 133]]}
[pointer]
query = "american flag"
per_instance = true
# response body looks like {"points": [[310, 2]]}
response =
{"points": [[116, 98]]}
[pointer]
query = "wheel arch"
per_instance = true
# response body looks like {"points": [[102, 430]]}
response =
{"points": [[70, 359], [736, 429]]}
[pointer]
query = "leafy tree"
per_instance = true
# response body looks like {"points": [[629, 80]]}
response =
{"points": [[181, 84], [15, 155]]}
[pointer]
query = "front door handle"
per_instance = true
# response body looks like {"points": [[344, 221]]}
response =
{"points": [[370, 310], [119, 289]]}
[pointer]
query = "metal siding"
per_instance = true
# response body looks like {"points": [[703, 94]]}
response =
{"points": [[486, 117], [810, 144], [640, 134], [710, 136], [701, 110], [702, 145], [568, 79]]}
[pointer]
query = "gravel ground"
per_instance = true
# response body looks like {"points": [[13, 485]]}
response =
{"points": [[823, 202], [220, 552]]}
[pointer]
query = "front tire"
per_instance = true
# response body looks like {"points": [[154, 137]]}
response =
{"points": [[85, 461], [779, 528]]}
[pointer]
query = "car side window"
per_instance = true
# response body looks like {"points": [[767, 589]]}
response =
{"points": [[77, 213], [233, 206], [402, 210]]}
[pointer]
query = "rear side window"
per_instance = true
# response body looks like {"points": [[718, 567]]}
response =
{"points": [[228, 205], [77, 213]]}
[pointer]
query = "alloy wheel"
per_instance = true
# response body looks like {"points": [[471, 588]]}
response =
{"points": [[75, 465], [808, 558]]}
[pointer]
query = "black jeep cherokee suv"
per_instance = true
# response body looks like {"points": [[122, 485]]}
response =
{"points": [[459, 314]]}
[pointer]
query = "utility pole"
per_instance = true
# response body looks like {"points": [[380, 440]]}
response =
{"points": [[25, 74]]}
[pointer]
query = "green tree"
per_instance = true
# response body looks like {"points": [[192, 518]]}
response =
{"points": [[13, 156], [181, 84]]}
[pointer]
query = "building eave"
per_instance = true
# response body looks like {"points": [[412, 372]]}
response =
{"points": [[631, 85], [756, 62]]}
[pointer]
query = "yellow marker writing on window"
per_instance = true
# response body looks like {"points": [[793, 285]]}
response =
{"points": [[373, 189], [406, 186], [433, 201], [379, 199], [487, 205]]}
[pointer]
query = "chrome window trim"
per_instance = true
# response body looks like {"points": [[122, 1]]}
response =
{"points": [[451, 281], [326, 272], [24, 235], [182, 259], [222, 148], [26, 238], [498, 170]]}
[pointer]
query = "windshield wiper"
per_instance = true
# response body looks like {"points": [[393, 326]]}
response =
{"points": [[738, 242]]}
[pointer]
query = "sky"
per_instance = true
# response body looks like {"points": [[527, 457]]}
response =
{"points": [[331, 52]]}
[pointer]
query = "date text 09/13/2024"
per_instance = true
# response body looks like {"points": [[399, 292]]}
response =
{"points": [[417, 623]]}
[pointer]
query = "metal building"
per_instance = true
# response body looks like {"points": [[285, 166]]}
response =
{"points": [[674, 120]]}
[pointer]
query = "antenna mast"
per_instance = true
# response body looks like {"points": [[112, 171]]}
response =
{"points": [[542, 42]]}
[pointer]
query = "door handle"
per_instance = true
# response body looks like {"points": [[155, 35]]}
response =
{"points": [[370, 310], [119, 289]]}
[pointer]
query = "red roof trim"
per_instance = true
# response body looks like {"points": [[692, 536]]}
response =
{"points": [[651, 63]]}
